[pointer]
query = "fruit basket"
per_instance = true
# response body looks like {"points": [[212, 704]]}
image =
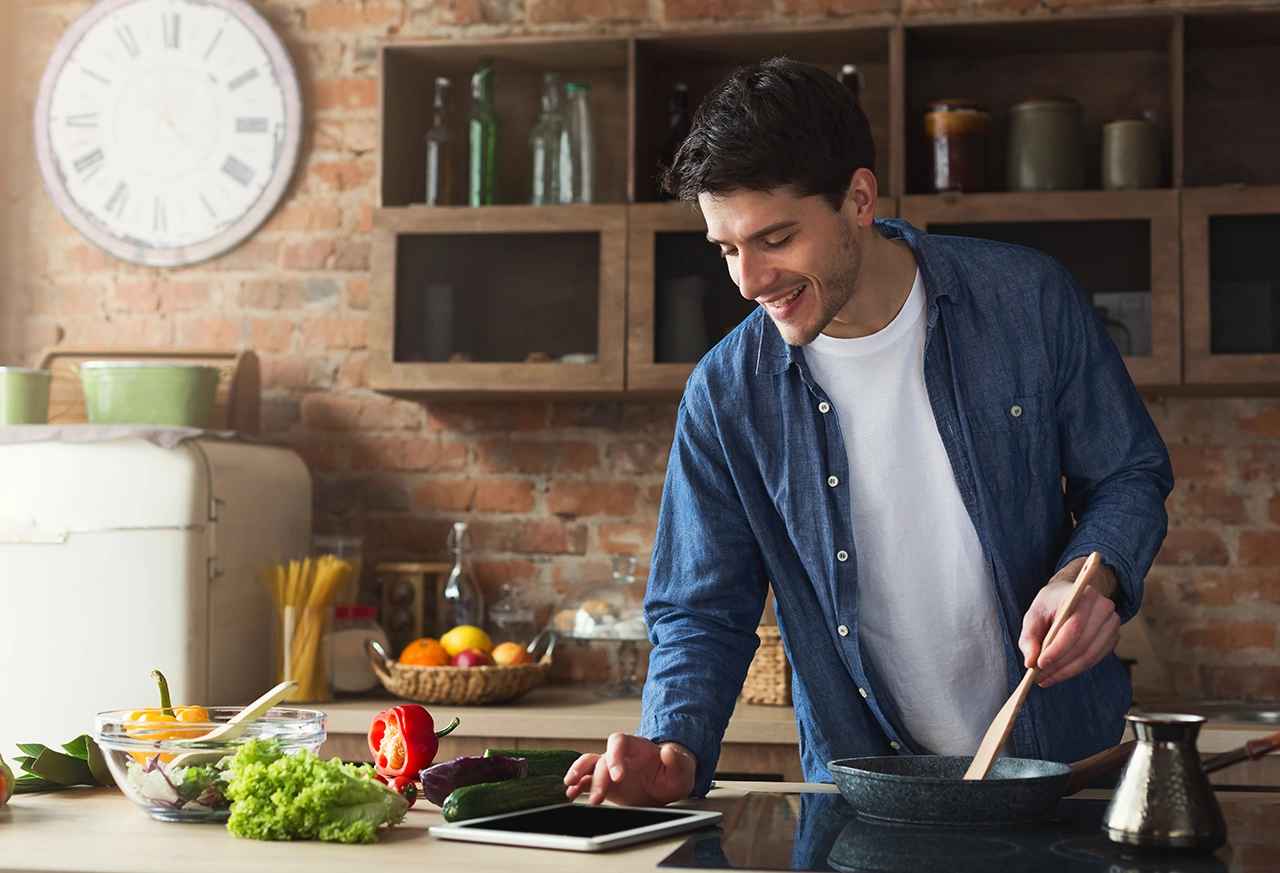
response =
{"points": [[462, 685]]}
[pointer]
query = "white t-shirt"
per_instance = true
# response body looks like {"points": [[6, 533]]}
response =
{"points": [[927, 605]]}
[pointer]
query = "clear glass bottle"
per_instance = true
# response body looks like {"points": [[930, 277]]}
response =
{"points": [[677, 127], [544, 145], [440, 151], [577, 148], [463, 601], [484, 138], [851, 77]]}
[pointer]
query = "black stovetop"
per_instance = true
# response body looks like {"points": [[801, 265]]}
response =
{"points": [[768, 831]]}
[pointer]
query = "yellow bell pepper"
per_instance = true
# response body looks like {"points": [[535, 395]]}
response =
{"points": [[166, 720]]}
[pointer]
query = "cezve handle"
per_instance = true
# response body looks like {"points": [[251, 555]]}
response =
{"points": [[993, 741]]}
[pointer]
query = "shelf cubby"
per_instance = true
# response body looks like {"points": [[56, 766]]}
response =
{"points": [[1114, 243], [488, 301]]}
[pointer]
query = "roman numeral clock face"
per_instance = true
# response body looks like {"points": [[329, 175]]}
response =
{"points": [[168, 130]]}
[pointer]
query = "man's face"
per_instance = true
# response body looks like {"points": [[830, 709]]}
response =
{"points": [[793, 255]]}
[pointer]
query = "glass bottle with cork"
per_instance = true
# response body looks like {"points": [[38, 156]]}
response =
{"points": [[440, 151], [484, 136], [463, 602], [577, 150]]}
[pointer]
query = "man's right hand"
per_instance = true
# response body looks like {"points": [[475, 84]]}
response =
{"points": [[634, 771]]}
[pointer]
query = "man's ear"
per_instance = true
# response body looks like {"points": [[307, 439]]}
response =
{"points": [[861, 198]]}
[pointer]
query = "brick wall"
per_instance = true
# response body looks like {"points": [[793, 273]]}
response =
{"points": [[554, 490]]}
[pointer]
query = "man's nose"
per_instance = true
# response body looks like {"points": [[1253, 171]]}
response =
{"points": [[752, 275]]}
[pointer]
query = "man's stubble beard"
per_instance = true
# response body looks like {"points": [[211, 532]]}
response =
{"points": [[839, 287]]}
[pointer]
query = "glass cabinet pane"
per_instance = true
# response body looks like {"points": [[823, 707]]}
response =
{"points": [[696, 304], [1244, 278]]}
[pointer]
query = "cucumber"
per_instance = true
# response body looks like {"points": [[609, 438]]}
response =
{"points": [[495, 798], [542, 762]]}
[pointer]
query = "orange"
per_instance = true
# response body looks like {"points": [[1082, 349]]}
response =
{"points": [[465, 636], [425, 652], [507, 654]]}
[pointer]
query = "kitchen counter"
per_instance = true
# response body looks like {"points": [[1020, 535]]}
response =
{"points": [[101, 831], [760, 740]]}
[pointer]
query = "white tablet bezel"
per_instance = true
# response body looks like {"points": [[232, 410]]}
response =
{"points": [[472, 830]]}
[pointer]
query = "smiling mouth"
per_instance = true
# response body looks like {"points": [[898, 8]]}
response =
{"points": [[783, 302]]}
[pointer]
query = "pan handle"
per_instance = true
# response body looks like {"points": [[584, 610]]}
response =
{"points": [[1084, 772]]}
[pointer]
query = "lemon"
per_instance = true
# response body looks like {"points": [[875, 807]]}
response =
{"points": [[465, 636]]}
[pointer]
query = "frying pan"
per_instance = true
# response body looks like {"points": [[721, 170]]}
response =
{"points": [[932, 790]]}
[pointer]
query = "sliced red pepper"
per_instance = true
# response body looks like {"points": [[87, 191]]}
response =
{"points": [[403, 740]]}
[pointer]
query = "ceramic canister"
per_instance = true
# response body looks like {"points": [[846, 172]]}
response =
{"points": [[1046, 145], [24, 395], [1130, 154]]}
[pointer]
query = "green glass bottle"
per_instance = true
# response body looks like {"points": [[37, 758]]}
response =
{"points": [[484, 139]]}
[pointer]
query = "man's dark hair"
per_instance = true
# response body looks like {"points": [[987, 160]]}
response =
{"points": [[778, 123]]}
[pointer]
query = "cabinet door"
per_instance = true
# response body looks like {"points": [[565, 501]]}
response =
{"points": [[1121, 246], [1231, 285], [498, 300]]}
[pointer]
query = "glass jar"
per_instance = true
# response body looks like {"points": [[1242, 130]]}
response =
{"points": [[349, 549], [511, 618], [349, 670], [956, 131]]}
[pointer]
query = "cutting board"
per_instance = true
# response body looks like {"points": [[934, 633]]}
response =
{"points": [[235, 405]]}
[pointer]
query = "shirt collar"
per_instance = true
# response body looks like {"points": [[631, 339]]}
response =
{"points": [[936, 272]]}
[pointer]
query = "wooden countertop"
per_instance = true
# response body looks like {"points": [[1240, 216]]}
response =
{"points": [[101, 831], [562, 712]]}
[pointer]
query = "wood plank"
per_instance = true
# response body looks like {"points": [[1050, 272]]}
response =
{"points": [[1178, 98]]}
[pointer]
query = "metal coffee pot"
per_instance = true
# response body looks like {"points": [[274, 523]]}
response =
{"points": [[1164, 799]]}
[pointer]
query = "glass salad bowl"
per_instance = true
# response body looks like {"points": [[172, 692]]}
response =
{"points": [[169, 768]]}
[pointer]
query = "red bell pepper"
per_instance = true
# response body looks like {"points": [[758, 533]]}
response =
{"points": [[404, 740]]}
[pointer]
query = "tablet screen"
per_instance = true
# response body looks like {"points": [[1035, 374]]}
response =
{"points": [[578, 820]]}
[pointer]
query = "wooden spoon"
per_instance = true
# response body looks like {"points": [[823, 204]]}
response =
{"points": [[998, 733], [234, 726]]}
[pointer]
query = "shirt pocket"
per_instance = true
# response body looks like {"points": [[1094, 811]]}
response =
{"points": [[1016, 442]]}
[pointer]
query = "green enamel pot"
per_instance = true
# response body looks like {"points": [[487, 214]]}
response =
{"points": [[24, 395], [148, 392]]}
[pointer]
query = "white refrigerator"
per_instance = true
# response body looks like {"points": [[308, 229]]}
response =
{"points": [[121, 557]]}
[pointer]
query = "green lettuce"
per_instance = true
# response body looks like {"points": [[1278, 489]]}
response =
{"points": [[301, 797]]}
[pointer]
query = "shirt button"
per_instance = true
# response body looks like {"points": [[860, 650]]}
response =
{"points": [[894, 744], [1016, 411], [833, 481], [824, 407], [844, 632], [842, 555], [862, 691]]}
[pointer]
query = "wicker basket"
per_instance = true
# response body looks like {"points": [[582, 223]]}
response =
{"points": [[460, 685], [769, 676]]}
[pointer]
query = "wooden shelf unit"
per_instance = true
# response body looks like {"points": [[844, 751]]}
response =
{"points": [[1207, 76]]}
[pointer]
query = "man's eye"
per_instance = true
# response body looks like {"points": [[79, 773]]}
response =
{"points": [[778, 243], [724, 253]]}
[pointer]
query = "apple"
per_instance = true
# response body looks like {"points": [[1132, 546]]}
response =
{"points": [[472, 658]]}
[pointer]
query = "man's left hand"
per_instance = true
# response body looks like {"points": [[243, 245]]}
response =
{"points": [[1085, 638]]}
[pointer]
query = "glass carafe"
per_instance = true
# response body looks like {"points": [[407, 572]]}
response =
{"points": [[544, 145], [577, 149], [463, 600]]}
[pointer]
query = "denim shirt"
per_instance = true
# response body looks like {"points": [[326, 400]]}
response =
{"points": [[1055, 457]]}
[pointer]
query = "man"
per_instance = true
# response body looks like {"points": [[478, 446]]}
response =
{"points": [[898, 440]]}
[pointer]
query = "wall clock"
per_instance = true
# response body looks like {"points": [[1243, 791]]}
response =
{"points": [[167, 130]]}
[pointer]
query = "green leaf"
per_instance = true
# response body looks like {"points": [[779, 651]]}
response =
{"points": [[79, 747], [24, 762], [32, 749], [98, 764], [63, 769], [32, 784]]}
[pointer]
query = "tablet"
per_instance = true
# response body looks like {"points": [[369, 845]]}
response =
{"points": [[577, 827]]}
